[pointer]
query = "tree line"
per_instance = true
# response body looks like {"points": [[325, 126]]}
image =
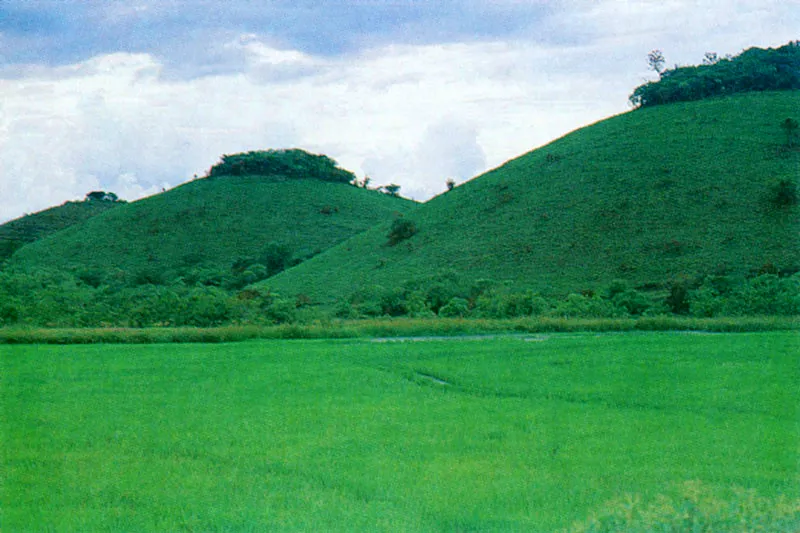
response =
{"points": [[51, 298]]}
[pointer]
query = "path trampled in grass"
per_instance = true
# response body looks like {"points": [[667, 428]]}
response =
{"points": [[487, 435]]}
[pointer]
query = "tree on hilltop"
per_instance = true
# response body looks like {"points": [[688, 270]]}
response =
{"points": [[101, 196], [655, 60], [293, 163], [392, 189], [755, 69]]}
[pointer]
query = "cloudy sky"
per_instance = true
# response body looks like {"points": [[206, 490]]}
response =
{"points": [[135, 95]]}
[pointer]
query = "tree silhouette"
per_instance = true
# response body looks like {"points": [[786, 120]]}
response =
{"points": [[655, 60], [392, 189]]}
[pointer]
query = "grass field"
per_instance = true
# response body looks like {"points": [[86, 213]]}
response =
{"points": [[528, 433]]}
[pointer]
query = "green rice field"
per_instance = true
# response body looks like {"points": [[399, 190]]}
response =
{"points": [[637, 431]]}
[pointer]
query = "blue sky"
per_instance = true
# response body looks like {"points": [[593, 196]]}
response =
{"points": [[136, 95], [58, 32]]}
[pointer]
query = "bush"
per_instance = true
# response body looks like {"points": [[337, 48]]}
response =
{"points": [[151, 305], [392, 302], [402, 229], [706, 302], [632, 302], [502, 304], [678, 298], [626, 299], [784, 193], [368, 301], [416, 305], [276, 258], [767, 294], [207, 307], [345, 309], [455, 308], [9, 314], [281, 311]]}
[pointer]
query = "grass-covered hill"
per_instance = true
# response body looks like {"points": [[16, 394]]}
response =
{"points": [[29, 228], [648, 196], [211, 224]]}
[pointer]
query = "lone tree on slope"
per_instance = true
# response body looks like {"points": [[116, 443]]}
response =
{"points": [[655, 60]]}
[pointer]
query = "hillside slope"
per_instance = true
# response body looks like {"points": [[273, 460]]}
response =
{"points": [[647, 196], [210, 223], [29, 228]]}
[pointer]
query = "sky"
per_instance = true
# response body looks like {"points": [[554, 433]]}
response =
{"points": [[137, 96]]}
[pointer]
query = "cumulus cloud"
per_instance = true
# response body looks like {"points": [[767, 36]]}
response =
{"points": [[448, 149]]}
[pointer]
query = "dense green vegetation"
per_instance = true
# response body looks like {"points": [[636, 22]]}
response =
{"points": [[755, 69], [29, 228], [57, 299], [709, 296], [293, 164], [223, 232], [534, 433], [659, 197]]}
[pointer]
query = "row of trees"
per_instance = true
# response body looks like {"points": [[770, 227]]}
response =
{"points": [[755, 69], [714, 295], [59, 299]]}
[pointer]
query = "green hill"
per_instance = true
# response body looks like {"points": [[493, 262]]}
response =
{"points": [[210, 224], [29, 228], [647, 196]]}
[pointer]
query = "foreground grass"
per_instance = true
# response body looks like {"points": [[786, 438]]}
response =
{"points": [[531, 433], [388, 327]]}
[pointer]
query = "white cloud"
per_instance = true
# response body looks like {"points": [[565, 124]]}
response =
{"points": [[448, 148]]}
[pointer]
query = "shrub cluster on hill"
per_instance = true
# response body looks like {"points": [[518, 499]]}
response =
{"points": [[755, 69], [102, 196], [294, 164], [402, 229]]}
